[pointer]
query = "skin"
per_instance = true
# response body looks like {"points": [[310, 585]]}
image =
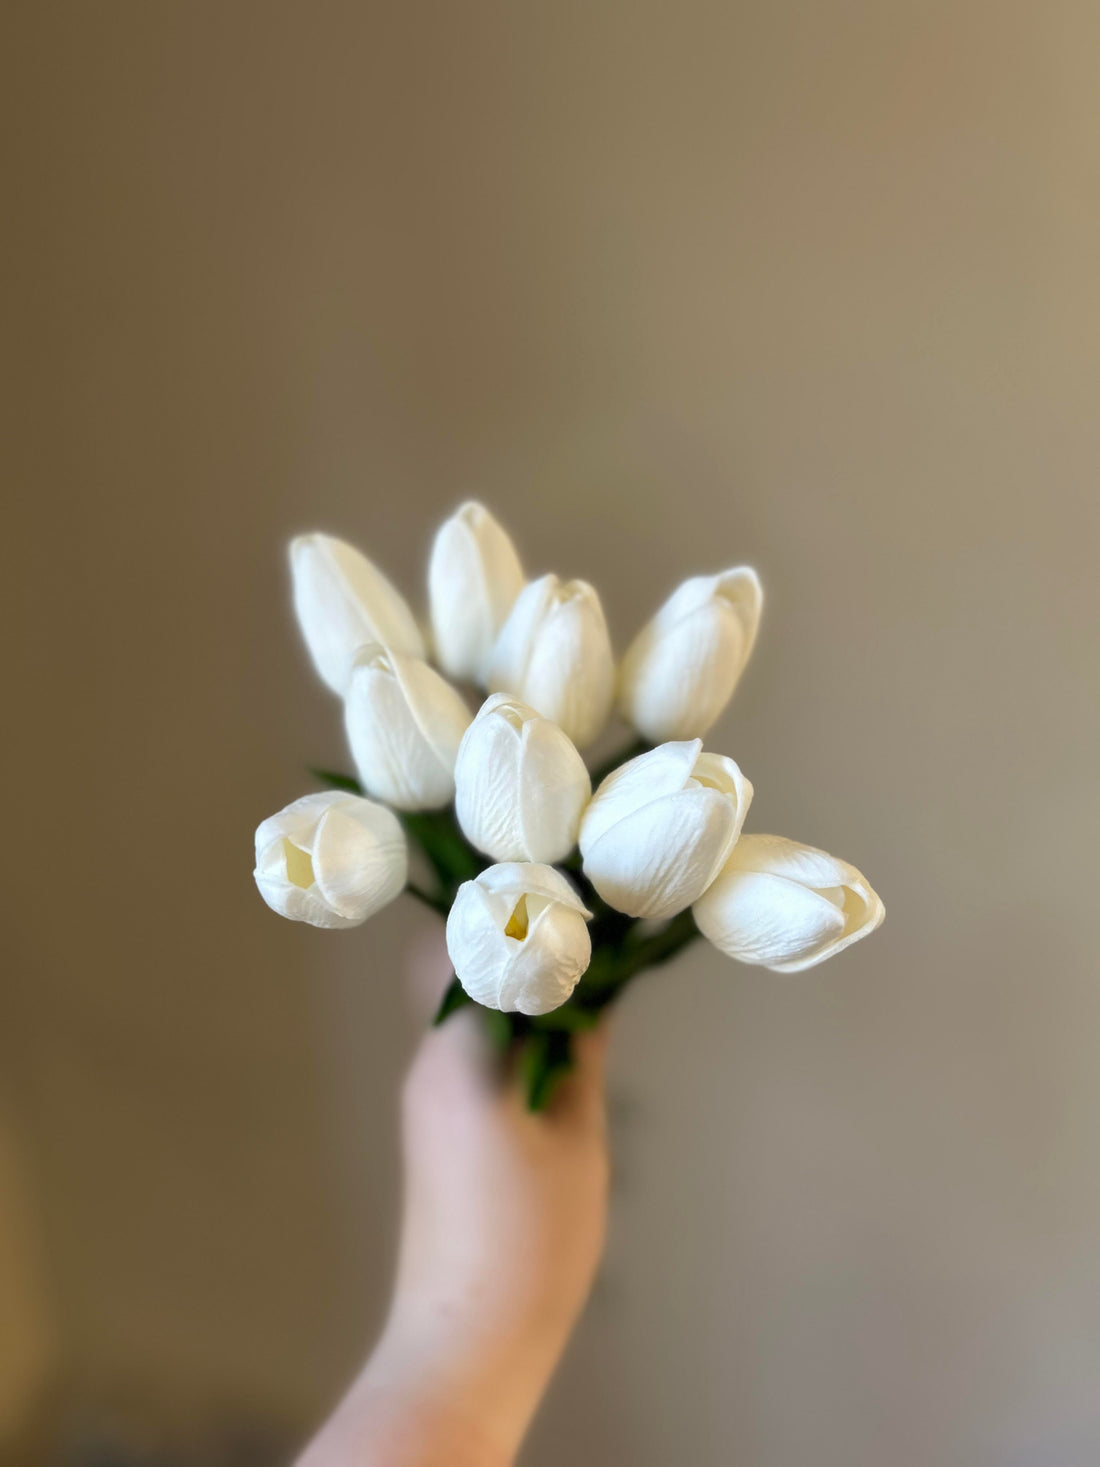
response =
{"points": [[503, 1226]]}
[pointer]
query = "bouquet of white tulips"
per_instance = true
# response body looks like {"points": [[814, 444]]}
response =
{"points": [[558, 886]]}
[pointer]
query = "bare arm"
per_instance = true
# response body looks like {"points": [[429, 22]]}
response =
{"points": [[503, 1226]]}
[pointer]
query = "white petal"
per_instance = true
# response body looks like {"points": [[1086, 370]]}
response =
{"points": [[476, 944], [571, 676], [404, 724], [532, 973], [298, 820], [681, 670], [660, 771], [779, 856], [342, 600], [487, 781], [330, 859], [360, 858], [554, 652], [548, 964], [520, 785], [719, 772], [863, 911], [657, 860], [474, 577], [554, 789], [512, 652], [512, 878], [758, 918]]}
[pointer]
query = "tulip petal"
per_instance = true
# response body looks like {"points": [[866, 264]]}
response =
{"points": [[404, 724], [343, 600], [360, 858], [554, 788], [330, 859], [530, 965], [476, 943], [548, 964], [487, 781], [661, 857], [759, 918], [778, 856], [682, 667], [474, 577], [534, 877], [554, 652], [512, 652], [657, 772]]}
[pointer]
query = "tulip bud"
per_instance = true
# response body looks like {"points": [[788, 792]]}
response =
{"points": [[554, 652], [517, 938], [786, 905], [520, 785], [404, 725], [343, 601], [330, 859], [659, 829], [474, 577], [681, 669]]}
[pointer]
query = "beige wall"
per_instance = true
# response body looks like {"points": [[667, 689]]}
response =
{"points": [[672, 286]]}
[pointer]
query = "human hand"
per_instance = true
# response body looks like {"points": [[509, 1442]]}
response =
{"points": [[502, 1230]]}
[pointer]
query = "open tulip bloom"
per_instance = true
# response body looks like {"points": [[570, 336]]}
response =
{"points": [[558, 886]]}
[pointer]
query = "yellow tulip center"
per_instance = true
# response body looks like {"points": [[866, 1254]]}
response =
{"points": [[517, 922], [299, 864]]}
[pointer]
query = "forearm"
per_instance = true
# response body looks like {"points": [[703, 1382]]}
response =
{"points": [[411, 1408]]}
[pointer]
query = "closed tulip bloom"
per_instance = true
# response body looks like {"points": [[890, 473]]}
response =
{"points": [[517, 938], [786, 905], [520, 785], [474, 577], [404, 725], [343, 601], [554, 652], [659, 829], [330, 859], [681, 669]]}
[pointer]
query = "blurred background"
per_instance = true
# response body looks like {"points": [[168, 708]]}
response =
{"points": [[671, 287]]}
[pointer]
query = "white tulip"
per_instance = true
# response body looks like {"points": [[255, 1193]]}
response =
{"points": [[343, 601], [786, 905], [659, 829], [330, 859], [554, 652], [681, 669], [520, 785], [404, 725], [517, 938], [474, 577]]}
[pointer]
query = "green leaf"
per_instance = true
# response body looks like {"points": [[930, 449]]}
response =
{"points": [[455, 997], [335, 780], [500, 1029], [547, 1056], [451, 856]]}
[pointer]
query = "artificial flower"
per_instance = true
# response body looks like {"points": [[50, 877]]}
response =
{"points": [[786, 905], [474, 577], [554, 653], [404, 724], [682, 667], [659, 828], [520, 785], [330, 859], [518, 938]]}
